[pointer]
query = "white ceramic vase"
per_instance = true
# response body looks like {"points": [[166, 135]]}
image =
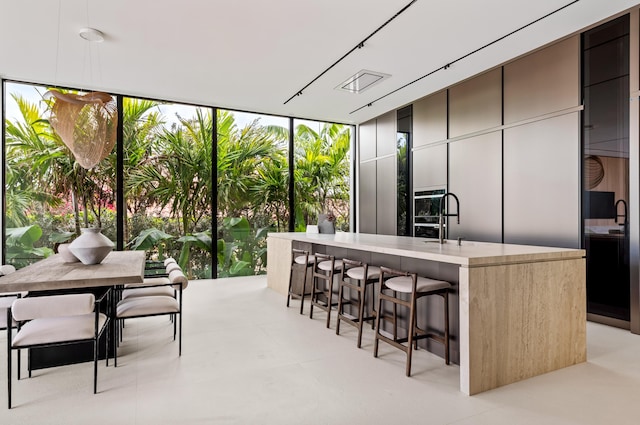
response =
{"points": [[67, 256], [325, 225], [91, 247]]}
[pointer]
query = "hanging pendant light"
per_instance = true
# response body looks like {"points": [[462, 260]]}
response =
{"points": [[86, 123]]}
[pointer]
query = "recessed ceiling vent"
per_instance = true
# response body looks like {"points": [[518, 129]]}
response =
{"points": [[361, 81]]}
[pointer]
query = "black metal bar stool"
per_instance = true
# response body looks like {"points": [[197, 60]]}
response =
{"points": [[300, 259], [356, 276], [395, 281], [322, 295]]}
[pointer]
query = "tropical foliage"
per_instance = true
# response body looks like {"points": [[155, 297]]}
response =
{"points": [[167, 162]]}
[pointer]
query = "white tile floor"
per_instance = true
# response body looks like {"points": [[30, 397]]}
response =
{"points": [[249, 360]]}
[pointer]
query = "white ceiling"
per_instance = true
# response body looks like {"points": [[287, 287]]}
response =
{"points": [[254, 55]]}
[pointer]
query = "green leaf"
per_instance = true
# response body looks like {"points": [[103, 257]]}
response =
{"points": [[25, 236], [240, 268], [61, 237], [240, 230], [262, 233], [148, 239]]}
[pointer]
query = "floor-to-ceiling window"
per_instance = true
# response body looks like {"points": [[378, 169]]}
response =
{"points": [[252, 186], [322, 154], [48, 195], [166, 195], [167, 168]]}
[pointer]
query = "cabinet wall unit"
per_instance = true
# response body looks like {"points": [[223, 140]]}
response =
{"points": [[475, 176], [507, 143], [377, 180], [542, 185]]}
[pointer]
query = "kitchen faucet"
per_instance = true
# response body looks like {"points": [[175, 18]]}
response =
{"points": [[442, 214]]}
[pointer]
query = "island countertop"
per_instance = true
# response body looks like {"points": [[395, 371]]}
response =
{"points": [[468, 254], [518, 310]]}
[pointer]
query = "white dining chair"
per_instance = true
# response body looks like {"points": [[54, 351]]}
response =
{"points": [[153, 305], [55, 320], [6, 299]]}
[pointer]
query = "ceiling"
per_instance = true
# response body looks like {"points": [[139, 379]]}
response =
{"points": [[255, 55]]}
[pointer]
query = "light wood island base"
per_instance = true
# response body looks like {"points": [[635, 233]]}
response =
{"points": [[522, 309]]}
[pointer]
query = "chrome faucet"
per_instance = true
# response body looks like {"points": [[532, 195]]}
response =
{"points": [[442, 214]]}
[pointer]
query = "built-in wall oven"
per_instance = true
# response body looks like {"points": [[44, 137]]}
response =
{"points": [[426, 207]]}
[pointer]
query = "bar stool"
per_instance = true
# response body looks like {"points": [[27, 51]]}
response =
{"points": [[322, 297], [356, 276], [417, 287], [299, 257]]}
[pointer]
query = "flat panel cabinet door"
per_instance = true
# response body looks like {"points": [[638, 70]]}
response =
{"points": [[430, 167], [475, 176], [543, 82], [430, 119], [476, 104], [386, 137], [541, 181], [367, 140], [367, 207], [386, 196]]}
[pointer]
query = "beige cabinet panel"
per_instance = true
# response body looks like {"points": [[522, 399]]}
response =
{"points": [[430, 167], [367, 193], [475, 176], [476, 104], [543, 82], [386, 134], [386, 196], [367, 140], [541, 182], [430, 119]]}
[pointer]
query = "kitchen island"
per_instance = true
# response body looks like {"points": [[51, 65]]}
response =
{"points": [[517, 311]]}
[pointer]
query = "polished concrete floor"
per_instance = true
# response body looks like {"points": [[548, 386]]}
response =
{"points": [[249, 360]]}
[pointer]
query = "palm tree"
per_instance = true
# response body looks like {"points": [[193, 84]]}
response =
{"points": [[322, 170], [36, 153], [177, 174]]}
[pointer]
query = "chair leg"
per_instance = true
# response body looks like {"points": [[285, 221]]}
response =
{"points": [[115, 344], [329, 297], [19, 365], [9, 365], [290, 285], [106, 346], [446, 327], [376, 339], [180, 335], [411, 330], [340, 306], [95, 365], [362, 292], [304, 289], [174, 330], [314, 295]]}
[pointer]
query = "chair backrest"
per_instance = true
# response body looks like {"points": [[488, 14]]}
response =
{"points": [[178, 278], [172, 266], [169, 261], [52, 306], [6, 269]]}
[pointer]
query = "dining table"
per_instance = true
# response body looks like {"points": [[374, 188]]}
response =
{"points": [[53, 275]]}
